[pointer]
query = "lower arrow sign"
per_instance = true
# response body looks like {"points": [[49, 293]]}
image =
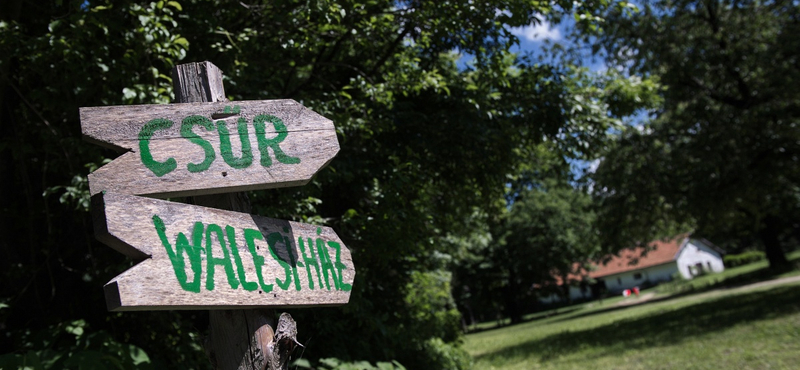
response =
{"points": [[194, 257]]}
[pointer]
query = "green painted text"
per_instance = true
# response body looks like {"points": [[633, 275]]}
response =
{"points": [[321, 259], [191, 123]]}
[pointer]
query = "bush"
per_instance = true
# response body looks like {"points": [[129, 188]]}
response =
{"points": [[336, 364], [72, 345], [446, 356], [677, 284], [431, 307], [743, 258]]}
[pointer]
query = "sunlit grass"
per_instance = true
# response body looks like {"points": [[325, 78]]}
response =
{"points": [[756, 328]]}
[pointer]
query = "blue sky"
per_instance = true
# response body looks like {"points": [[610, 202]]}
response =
{"points": [[535, 36]]}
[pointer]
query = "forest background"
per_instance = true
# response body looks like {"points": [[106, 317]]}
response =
{"points": [[469, 171]]}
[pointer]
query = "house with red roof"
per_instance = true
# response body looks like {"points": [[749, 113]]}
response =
{"points": [[642, 267]]}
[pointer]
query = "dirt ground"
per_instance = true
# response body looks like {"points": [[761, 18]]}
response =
{"points": [[632, 300]]}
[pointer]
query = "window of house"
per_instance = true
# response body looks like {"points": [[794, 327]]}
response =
{"points": [[637, 276], [698, 269]]}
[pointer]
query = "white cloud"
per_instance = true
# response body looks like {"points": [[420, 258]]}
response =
{"points": [[537, 32]]}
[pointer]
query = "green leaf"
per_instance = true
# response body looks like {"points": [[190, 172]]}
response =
{"points": [[301, 363], [175, 5], [52, 26], [75, 328], [138, 355]]}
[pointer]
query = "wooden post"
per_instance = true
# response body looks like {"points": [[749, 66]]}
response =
{"points": [[238, 339]]}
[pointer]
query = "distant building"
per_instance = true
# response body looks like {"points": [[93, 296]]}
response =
{"points": [[633, 267]]}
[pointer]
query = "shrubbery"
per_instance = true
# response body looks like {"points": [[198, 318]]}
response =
{"points": [[743, 258], [442, 355], [435, 317], [678, 284], [336, 364]]}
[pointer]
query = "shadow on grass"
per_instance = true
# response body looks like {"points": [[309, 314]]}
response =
{"points": [[530, 318], [613, 308], [756, 276], [664, 328]]}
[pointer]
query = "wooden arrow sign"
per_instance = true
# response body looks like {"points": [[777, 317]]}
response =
{"points": [[195, 257], [207, 148]]}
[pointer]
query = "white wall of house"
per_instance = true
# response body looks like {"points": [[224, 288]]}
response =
{"points": [[626, 280], [661, 273], [696, 258], [693, 258], [577, 293], [619, 282], [553, 298], [574, 294]]}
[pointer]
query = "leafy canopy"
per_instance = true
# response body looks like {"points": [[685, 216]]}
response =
{"points": [[721, 154], [427, 149]]}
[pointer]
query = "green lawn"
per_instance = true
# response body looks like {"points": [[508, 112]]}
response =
{"points": [[705, 327]]}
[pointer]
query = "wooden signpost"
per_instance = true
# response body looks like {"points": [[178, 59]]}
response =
{"points": [[227, 261], [205, 258], [208, 148]]}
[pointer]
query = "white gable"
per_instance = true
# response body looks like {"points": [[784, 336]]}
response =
{"points": [[696, 258]]}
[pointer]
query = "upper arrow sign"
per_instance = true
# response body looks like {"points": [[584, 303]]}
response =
{"points": [[195, 257], [207, 148]]}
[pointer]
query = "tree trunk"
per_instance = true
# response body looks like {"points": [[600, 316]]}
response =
{"points": [[511, 299], [565, 289], [772, 246]]}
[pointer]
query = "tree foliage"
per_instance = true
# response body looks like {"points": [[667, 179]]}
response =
{"points": [[427, 149], [545, 235], [721, 155]]}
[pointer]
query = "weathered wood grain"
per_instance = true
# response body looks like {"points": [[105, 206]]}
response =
{"points": [[237, 339], [309, 137], [300, 265], [197, 82]]}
